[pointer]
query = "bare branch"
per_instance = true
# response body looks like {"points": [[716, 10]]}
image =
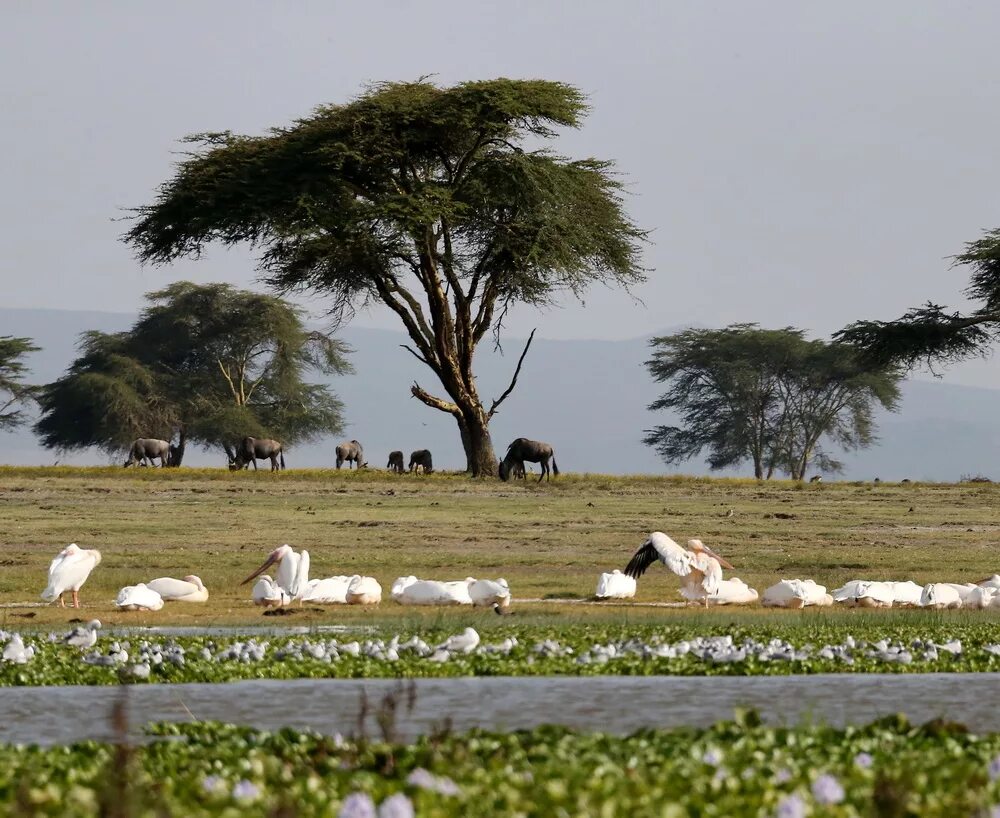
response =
{"points": [[513, 381], [433, 402], [417, 355]]}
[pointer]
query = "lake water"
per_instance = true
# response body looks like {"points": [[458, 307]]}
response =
{"points": [[615, 704]]}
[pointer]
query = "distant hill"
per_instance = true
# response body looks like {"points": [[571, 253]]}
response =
{"points": [[588, 398]]}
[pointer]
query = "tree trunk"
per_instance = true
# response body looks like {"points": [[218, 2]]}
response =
{"points": [[177, 452], [481, 460]]}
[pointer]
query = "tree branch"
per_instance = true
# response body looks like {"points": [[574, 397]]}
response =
{"points": [[513, 382], [418, 356], [435, 403]]}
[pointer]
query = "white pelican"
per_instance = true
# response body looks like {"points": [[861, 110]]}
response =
{"points": [[268, 593], [189, 589], [138, 598], [796, 593], [293, 570], [486, 592], [413, 591], [615, 585], [940, 595], [965, 590], [329, 591], [68, 571], [984, 596], [729, 592], [364, 591], [991, 582], [906, 594], [699, 567], [866, 594], [85, 637]]}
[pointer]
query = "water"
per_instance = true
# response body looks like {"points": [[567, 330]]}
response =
{"points": [[615, 704]]}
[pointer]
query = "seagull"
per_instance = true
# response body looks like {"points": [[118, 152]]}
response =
{"points": [[465, 642], [85, 637], [699, 567]]}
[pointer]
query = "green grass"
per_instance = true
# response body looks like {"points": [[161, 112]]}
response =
{"points": [[549, 540], [888, 768]]}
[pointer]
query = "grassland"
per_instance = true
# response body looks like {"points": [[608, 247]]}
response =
{"points": [[549, 540]]}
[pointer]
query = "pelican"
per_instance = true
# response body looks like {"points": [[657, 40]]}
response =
{"points": [[984, 596], [487, 592], [796, 593], [329, 591], [413, 591], [866, 594], [991, 582], [268, 593], [293, 570], [615, 585], [730, 592], [69, 571], [699, 567], [906, 594], [189, 589], [965, 590], [138, 598], [940, 595], [85, 637], [364, 591]]}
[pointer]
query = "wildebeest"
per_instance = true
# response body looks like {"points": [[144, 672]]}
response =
{"points": [[396, 462], [252, 449], [146, 449], [422, 458], [534, 451], [352, 453], [816, 478]]}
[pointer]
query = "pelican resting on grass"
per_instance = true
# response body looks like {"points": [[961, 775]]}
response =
{"points": [[615, 585], [487, 592], [138, 598], [729, 592], [413, 591], [699, 567], [68, 571], [990, 582], [269, 594], [293, 570], [940, 595], [189, 589], [364, 591], [329, 591], [863, 593], [796, 593]]}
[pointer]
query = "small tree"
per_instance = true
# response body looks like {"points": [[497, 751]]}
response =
{"points": [[931, 334], [209, 362], [14, 393], [767, 396], [432, 201]]}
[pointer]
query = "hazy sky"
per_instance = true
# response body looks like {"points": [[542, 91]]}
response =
{"points": [[796, 164]]}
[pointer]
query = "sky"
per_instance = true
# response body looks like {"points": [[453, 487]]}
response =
{"points": [[796, 163]]}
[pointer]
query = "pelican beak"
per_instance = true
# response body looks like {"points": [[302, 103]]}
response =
{"points": [[719, 558], [271, 560]]}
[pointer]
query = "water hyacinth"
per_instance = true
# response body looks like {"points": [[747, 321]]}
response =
{"points": [[827, 790], [712, 757], [863, 761], [426, 780], [791, 806], [994, 769], [358, 805], [396, 806], [245, 789], [211, 783]]}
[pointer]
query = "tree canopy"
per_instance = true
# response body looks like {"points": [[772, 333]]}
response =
{"points": [[209, 362], [932, 333], [15, 395], [441, 203], [768, 396]]}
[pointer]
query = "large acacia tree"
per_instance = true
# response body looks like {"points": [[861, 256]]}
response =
{"points": [[932, 333], [15, 394], [440, 203], [207, 362], [768, 396]]}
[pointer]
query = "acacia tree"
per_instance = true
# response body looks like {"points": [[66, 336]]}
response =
{"points": [[14, 393], [932, 334], [435, 202], [767, 396], [209, 362]]}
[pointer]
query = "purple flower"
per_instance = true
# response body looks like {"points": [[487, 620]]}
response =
{"points": [[994, 769], [428, 781], [721, 774], [994, 812], [783, 776], [791, 806], [863, 760], [396, 806], [712, 757], [827, 790], [211, 783], [357, 805], [245, 789]]}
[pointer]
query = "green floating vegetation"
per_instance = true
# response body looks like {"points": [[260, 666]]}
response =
{"points": [[817, 646], [734, 768]]}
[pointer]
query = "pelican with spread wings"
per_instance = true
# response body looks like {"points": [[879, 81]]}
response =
{"points": [[698, 566]]}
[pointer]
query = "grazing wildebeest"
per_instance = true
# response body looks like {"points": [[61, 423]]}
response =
{"points": [[145, 449], [816, 478], [253, 448], [352, 453], [421, 458], [534, 451], [396, 462]]}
